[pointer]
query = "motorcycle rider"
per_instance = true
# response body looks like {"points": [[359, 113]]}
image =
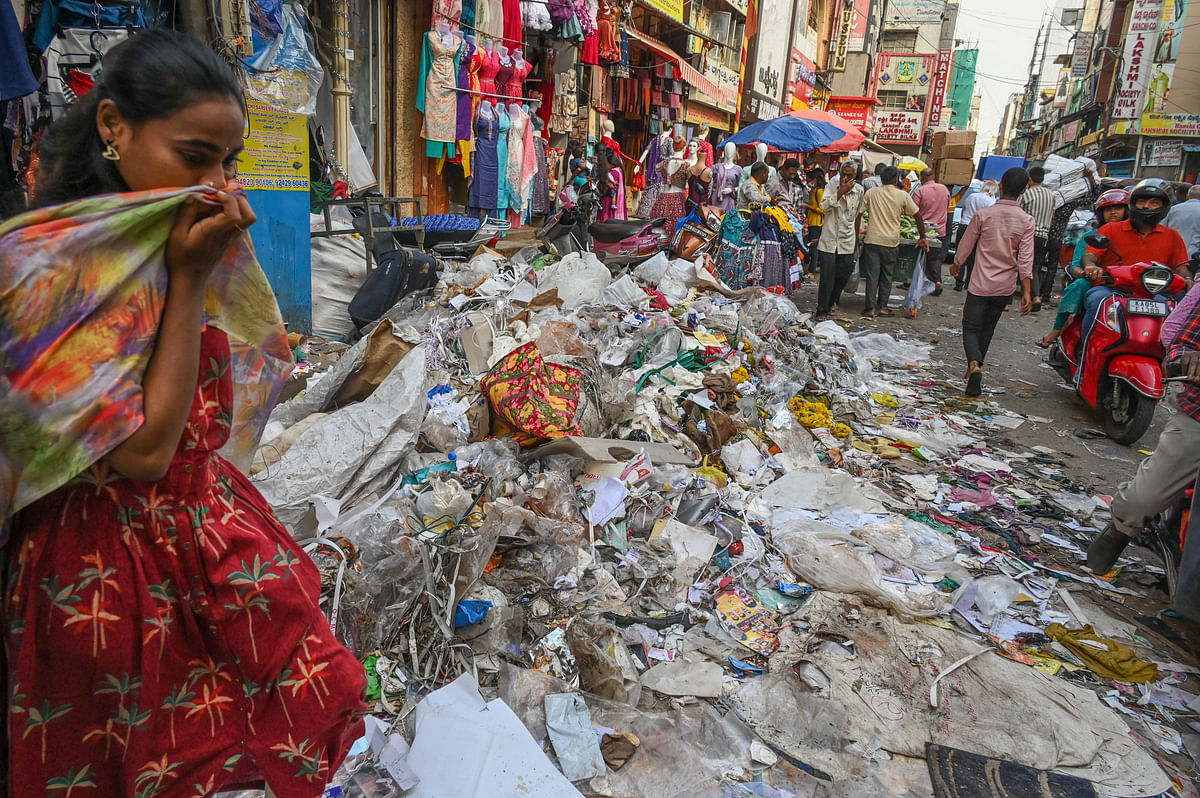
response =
{"points": [[1163, 477], [1140, 237], [1111, 206]]}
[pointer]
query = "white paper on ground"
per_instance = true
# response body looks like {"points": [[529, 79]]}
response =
{"points": [[569, 725], [466, 748], [701, 679]]}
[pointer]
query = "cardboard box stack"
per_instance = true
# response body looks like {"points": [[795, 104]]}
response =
{"points": [[953, 151]]}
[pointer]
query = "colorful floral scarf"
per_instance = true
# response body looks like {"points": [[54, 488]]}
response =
{"points": [[82, 289]]}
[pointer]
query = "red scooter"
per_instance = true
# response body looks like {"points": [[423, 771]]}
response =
{"points": [[1122, 371], [617, 243]]}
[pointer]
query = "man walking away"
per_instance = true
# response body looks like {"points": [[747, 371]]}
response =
{"points": [[881, 245], [1184, 218], [1038, 202], [933, 201], [1002, 237], [842, 204], [984, 197]]}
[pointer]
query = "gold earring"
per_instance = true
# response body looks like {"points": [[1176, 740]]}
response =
{"points": [[110, 152]]}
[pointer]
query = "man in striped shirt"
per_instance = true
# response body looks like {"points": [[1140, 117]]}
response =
{"points": [[1038, 202]]}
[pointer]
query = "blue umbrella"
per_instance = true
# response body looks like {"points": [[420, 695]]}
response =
{"points": [[788, 133]]}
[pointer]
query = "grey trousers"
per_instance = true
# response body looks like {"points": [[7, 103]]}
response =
{"points": [[876, 264], [1162, 478]]}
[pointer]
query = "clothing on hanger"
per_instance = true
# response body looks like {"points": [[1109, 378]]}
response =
{"points": [[439, 68]]}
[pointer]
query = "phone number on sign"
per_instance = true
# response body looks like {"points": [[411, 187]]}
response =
{"points": [[274, 182]]}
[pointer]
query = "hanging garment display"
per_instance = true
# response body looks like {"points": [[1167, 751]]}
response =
{"points": [[468, 14], [520, 71], [656, 155], [493, 27], [502, 188], [504, 73], [447, 12], [520, 161], [16, 78], [489, 66], [610, 51], [540, 198], [484, 188], [74, 49], [513, 27], [439, 105], [463, 115], [725, 176], [535, 15], [670, 205]]}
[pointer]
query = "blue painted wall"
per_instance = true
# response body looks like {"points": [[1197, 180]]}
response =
{"points": [[282, 244]]}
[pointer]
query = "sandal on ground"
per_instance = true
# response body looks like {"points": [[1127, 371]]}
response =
{"points": [[1044, 344]]}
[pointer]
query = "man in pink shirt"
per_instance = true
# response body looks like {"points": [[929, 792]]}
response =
{"points": [[1002, 238], [933, 203]]}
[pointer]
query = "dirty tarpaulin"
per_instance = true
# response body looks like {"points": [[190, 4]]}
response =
{"points": [[670, 539]]}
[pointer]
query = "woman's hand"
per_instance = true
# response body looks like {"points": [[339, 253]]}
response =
{"points": [[204, 231]]}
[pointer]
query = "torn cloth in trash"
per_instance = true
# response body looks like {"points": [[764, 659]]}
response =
{"points": [[984, 705], [533, 400], [1106, 658]]}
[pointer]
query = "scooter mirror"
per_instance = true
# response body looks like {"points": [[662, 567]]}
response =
{"points": [[1097, 241]]}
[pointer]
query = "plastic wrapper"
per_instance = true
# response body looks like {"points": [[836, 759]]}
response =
{"points": [[653, 269], [768, 311], [497, 459], [830, 559], [606, 668], [570, 728], [380, 594], [886, 349], [991, 594], [444, 501], [561, 338], [911, 543], [579, 279], [555, 495], [286, 74]]}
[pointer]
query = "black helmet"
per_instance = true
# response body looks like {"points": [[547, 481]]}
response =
{"points": [[1150, 187]]}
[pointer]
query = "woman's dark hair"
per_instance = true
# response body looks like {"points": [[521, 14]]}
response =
{"points": [[575, 148], [151, 75], [817, 176]]}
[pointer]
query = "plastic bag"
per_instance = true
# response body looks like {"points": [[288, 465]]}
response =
{"points": [[652, 270], [885, 348], [829, 559], [445, 500], [286, 74], [579, 278], [920, 286], [910, 543], [991, 594]]}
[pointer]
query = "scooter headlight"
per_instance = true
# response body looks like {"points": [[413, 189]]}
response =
{"points": [[1155, 280]]}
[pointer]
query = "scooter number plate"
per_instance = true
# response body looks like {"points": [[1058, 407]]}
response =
{"points": [[1146, 307]]}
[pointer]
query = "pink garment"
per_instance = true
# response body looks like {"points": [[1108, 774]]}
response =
{"points": [[489, 66], [1002, 238], [613, 208], [516, 84], [1179, 316], [933, 201]]}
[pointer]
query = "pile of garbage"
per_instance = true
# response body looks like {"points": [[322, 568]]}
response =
{"points": [[647, 536]]}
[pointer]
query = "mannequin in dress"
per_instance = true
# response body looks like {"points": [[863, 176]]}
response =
{"points": [[726, 177], [653, 158], [671, 204], [699, 180], [521, 70], [706, 147]]}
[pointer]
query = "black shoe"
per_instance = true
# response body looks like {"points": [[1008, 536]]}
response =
{"points": [[974, 383], [937, 291], [958, 286], [1104, 550]]}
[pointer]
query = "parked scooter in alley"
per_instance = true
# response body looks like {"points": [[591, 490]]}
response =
{"points": [[1122, 357], [616, 243]]}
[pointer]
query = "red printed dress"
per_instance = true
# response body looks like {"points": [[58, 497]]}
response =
{"points": [[163, 639]]}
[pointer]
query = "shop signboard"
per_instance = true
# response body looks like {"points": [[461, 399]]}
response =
{"points": [[915, 11], [1140, 40], [273, 168], [698, 114], [858, 28], [771, 50], [911, 71], [725, 78], [1166, 49], [740, 6], [801, 79], [1081, 59], [275, 157], [899, 127], [1167, 152], [669, 8], [941, 81], [1069, 130], [859, 112], [842, 48], [1187, 125]]}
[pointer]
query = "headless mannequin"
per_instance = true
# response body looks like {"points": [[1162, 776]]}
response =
{"points": [[674, 165], [486, 111], [443, 31], [505, 58]]}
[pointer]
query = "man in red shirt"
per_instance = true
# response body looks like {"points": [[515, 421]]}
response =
{"points": [[1140, 237]]}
